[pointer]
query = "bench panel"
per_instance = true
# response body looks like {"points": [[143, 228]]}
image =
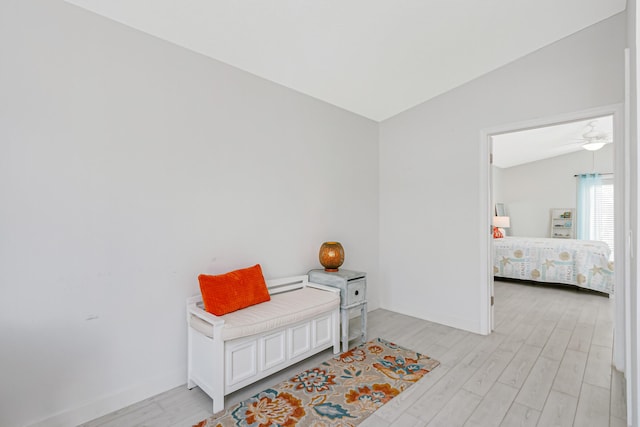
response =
{"points": [[241, 359], [299, 339], [273, 350], [322, 332]]}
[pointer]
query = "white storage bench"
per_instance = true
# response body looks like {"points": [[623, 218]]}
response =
{"points": [[226, 353]]}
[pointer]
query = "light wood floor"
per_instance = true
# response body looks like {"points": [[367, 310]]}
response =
{"points": [[548, 363]]}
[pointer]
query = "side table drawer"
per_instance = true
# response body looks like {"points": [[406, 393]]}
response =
{"points": [[356, 292]]}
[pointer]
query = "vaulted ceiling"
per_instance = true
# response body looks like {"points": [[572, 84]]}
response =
{"points": [[525, 146], [375, 58]]}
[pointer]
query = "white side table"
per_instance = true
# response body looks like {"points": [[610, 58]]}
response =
{"points": [[353, 294]]}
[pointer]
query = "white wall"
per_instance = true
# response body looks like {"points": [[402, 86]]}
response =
{"points": [[430, 179], [127, 167], [531, 190], [632, 297]]}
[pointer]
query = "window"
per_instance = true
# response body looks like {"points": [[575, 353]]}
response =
{"points": [[595, 208]]}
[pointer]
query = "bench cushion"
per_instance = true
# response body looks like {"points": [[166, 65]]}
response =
{"points": [[283, 309]]}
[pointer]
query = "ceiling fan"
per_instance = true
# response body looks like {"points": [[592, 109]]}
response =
{"points": [[593, 139]]}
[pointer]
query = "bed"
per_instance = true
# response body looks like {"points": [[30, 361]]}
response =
{"points": [[582, 263]]}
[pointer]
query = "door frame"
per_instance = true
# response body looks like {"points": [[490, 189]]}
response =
{"points": [[621, 224]]}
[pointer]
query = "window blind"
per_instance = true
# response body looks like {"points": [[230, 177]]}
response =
{"points": [[603, 213]]}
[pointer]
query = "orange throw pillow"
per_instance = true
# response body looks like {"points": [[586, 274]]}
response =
{"points": [[232, 291]]}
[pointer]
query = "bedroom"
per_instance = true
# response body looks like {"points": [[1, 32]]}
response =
{"points": [[540, 176], [134, 164]]}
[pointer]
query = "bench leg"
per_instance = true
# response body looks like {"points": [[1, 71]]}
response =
{"points": [[219, 377], [336, 331], [218, 404]]}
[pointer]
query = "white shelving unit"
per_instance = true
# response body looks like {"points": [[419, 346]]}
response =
{"points": [[563, 223]]}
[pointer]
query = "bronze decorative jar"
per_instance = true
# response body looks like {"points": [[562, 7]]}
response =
{"points": [[331, 256]]}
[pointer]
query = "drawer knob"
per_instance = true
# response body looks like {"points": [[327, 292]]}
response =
{"points": [[357, 292]]}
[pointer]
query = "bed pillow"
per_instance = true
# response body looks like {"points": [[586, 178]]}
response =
{"points": [[232, 291]]}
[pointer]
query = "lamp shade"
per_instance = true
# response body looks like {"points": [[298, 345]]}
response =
{"points": [[501, 221]]}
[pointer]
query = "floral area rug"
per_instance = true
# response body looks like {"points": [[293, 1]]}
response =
{"points": [[340, 392]]}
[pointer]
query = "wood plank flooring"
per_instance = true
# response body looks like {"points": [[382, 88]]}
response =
{"points": [[548, 363]]}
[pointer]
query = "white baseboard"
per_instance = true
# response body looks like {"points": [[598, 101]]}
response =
{"points": [[113, 402], [443, 319]]}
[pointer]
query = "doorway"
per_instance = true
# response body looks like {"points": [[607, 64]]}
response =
{"points": [[621, 227]]}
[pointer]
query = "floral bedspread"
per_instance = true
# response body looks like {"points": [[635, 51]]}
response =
{"points": [[584, 263]]}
